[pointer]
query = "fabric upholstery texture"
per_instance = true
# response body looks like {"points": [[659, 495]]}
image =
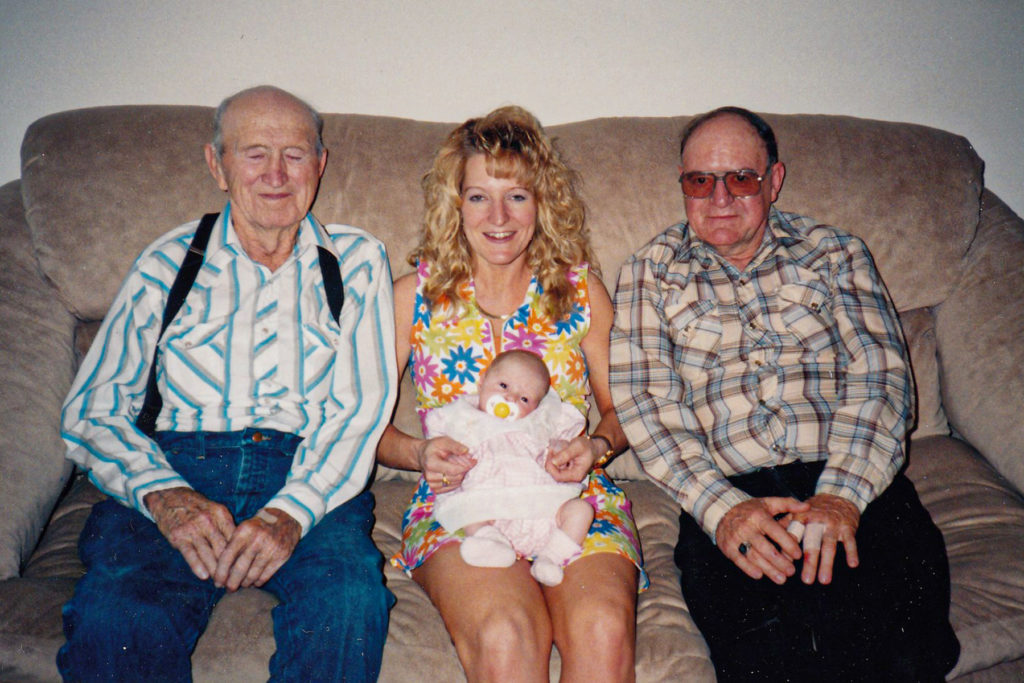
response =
{"points": [[919, 330], [987, 601], [99, 184], [979, 333], [36, 365]]}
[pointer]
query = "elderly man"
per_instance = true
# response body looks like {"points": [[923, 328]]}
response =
{"points": [[277, 376], [759, 371]]}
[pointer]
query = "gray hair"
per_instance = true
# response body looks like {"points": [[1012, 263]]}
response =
{"points": [[218, 116]]}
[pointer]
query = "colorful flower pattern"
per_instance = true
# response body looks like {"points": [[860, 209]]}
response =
{"points": [[452, 346]]}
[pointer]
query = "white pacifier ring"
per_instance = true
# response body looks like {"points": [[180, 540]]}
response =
{"points": [[499, 407]]}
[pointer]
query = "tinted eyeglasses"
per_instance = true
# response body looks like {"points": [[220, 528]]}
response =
{"points": [[701, 184]]}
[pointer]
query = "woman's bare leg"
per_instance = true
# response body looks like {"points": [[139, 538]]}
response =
{"points": [[593, 613], [497, 618]]}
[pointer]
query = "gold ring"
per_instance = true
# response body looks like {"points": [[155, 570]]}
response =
{"points": [[444, 480]]}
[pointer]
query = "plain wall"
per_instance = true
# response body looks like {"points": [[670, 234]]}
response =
{"points": [[951, 64]]}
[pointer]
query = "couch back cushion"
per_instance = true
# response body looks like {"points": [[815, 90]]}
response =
{"points": [[100, 184]]}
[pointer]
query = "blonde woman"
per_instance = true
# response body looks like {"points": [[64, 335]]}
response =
{"points": [[504, 263]]}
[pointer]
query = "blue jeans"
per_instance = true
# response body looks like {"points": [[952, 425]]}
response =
{"points": [[139, 610]]}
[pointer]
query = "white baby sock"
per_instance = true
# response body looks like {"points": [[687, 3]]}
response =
{"points": [[560, 550], [487, 548]]}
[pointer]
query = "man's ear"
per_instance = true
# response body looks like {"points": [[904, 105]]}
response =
{"points": [[323, 162], [216, 170], [776, 176]]}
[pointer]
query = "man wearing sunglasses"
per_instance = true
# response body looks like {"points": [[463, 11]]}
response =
{"points": [[760, 373]]}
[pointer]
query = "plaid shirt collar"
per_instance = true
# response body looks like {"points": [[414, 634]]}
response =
{"points": [[779, 233]]}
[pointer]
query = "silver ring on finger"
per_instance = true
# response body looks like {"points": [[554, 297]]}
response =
{"points": [[743, 548]]}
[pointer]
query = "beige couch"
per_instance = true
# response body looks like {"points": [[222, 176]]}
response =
{"points": [[99, 184]]}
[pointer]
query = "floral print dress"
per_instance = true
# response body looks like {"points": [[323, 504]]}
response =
{"points": [[451, 348]]}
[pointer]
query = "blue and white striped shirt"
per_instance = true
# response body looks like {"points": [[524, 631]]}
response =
{"points": [[800, 357], [249, 348]]}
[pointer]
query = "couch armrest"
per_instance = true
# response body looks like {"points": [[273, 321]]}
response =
{"points": [[980, 335], [36, 369]]}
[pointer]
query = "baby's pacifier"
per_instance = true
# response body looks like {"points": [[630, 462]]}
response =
{"points": [[499, 407]]}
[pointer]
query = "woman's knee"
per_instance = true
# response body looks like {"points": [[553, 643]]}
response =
{"points": [[595, 626], [503, 640], [602, 625]]}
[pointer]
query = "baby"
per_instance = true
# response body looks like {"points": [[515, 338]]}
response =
{"points": [[508, 503]]}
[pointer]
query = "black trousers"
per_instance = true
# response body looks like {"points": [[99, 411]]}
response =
{"points": [[886, 620]]}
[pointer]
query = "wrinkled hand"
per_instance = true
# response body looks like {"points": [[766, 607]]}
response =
{"points": [[257, 549], [574, 460], [444, 462], [194, 525], [831, 520], [760, 524]]}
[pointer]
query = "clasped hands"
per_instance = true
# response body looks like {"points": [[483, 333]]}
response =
{"points": [[204, 532], [444, 461], [775, 532]]}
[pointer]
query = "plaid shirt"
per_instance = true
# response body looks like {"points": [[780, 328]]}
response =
{"points": [[800, 357]]}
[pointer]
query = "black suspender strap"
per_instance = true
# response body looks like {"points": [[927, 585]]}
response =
{"points": [[146, 420], [332, 281]]}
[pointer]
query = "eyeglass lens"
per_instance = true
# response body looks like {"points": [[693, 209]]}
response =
{"points": [[699, 185]]}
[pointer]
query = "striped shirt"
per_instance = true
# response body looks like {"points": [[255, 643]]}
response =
{"points": [[249, 348], [799, 357]]}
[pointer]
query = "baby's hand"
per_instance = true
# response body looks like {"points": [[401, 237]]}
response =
{"points": [[572, 461], [557, 445]]}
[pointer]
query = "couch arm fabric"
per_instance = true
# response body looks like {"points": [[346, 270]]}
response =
{"points": [[36, 368], [981, 517], [980, 335]]}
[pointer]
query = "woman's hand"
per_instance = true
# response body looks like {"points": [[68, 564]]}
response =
{"points": [[443, 462], [574, 461]]}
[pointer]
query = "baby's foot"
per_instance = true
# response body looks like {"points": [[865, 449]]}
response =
{"points": [[546, 572], [548, 565], [487, 548]]}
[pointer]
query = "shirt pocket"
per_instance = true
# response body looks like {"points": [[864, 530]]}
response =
{"points": [[320, 343], [805, 309], [697, 331], [193, 359]]}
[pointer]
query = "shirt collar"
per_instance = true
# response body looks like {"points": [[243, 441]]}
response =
{"points": [[778, 233], [782, 230], [311, 235]]}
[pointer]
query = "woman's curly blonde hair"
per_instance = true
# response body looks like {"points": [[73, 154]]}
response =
{"points": [[515, 146]]}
